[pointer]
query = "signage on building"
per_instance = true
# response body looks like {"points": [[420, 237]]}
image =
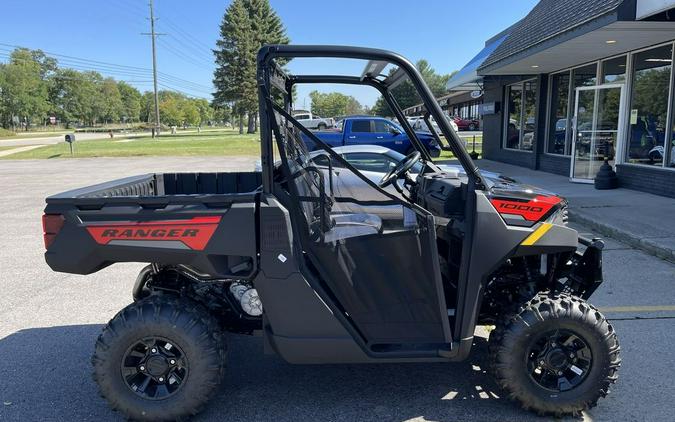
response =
{"points": [[476, 94], [488, 108]]}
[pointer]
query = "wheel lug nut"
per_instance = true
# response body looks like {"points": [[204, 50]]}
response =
{"points": [[572, 355], [154, 350], [161, 379], [541, 362], [172, 361], [559, 372], [552, 344], [142, 368]]}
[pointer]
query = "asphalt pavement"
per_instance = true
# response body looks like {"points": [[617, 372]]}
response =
{"points": [[49, 323]]}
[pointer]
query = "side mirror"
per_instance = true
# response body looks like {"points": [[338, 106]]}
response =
{"points": [[394, 131]]}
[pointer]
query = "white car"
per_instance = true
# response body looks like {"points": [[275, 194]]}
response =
{"points": [[418, 123], [311, 121]]}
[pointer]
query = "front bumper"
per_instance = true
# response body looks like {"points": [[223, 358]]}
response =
{"points": [[586, 272]]}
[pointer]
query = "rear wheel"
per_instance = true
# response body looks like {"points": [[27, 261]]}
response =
{"points": [[321, 126], [160, 358], [556, 354], [472, 127]]}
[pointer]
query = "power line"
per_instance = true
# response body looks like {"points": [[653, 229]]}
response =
{"points": [[174, 83], [106, 67], [182, 92], [183, 56]]}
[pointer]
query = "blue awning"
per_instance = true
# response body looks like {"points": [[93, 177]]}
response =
{"points": [[468, 79]]}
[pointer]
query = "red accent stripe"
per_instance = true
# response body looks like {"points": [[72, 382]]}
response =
{"points": [[532, 210]]}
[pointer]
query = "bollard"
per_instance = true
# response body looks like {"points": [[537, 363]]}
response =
{"points": [[606, 177]]}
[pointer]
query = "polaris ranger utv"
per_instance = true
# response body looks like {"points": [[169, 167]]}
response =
{"points": [[324, 278]]}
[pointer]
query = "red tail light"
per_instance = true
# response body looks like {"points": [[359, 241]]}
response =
{"points": [[51, 225]]}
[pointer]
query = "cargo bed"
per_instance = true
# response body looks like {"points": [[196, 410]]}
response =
{"points": [[165, 218]]}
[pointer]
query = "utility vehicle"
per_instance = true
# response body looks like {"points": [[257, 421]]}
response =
{"points": [[280, 254]]}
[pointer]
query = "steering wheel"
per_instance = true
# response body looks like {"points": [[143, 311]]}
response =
{"points": [[401, 168]]}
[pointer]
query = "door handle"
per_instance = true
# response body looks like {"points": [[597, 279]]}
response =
{"points": [[352, 137], [380, 137]]}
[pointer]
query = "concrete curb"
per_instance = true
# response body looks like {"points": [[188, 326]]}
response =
{"points": [[650, 245]]}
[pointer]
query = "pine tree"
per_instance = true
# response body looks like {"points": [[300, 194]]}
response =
{"points": [[247, 25]]}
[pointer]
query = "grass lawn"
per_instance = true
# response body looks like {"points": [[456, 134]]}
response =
{"points": [[212, 143], [447, 155], [6, 147], [6, 134], [220, 142]]}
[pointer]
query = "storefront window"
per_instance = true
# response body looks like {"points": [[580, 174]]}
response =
{"points": [[514, 114], [558, 141], [521, 114], [649, 106], [614, 70], [585, 76]]}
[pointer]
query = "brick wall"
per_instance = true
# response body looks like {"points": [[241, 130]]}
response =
{"points": [[556, 164], [647, 179]]}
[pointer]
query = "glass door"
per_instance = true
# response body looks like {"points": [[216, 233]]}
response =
{"points": [[596, 136]]}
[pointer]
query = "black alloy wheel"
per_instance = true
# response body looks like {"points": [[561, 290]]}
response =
{"points": [[559, 360], [154, 368]]}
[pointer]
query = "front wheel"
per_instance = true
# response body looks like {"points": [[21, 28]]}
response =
{"points": [[557, 355], [160, 358]]}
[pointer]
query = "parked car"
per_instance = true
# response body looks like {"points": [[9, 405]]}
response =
{"points": [[418, 123], [368, 130], [312, 121], [466, 124]]}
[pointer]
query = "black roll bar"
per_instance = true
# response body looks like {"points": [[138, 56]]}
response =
{"points": [[268, 53]]}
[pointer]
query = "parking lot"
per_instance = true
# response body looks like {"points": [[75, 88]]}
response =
{"points": [[49, 323]]}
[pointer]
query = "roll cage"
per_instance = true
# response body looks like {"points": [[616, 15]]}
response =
{"points": [[271, 76]]}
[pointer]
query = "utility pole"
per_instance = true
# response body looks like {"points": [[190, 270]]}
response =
{"points": [[153, 35]]}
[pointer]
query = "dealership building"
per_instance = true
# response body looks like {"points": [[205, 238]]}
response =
{"points": [[578, 82]]}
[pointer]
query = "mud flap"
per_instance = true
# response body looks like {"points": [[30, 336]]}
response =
{"points": [[586, 274]]}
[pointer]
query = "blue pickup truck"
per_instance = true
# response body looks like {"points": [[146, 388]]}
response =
{"points": [[369, 130]]}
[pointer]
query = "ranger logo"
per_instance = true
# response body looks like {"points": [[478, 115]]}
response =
{"points": [[192, 233]]}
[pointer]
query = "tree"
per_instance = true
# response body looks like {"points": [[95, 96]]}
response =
{"points": [[406, 95], [131, 102], [69, 95], [190, 111], [113, 108], [246, 26], [334, 104], [170, 111], [147, 107], [24, 92], [205, 111], [95, 106]]}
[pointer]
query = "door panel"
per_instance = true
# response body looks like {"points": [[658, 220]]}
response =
{"points": [[596, 130], [387, 286]]}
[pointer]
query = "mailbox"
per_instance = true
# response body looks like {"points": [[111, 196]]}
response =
{"points": [[70, 138]]}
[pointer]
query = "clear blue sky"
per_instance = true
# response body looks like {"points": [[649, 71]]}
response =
{"points": [[446, 33]]}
